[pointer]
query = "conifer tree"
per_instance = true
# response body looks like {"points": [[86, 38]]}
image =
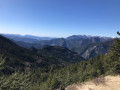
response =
{"points": [[113, 57]]}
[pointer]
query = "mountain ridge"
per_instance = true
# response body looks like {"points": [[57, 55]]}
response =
{"points": [[74, 43], [16, 58], [84, 37]]}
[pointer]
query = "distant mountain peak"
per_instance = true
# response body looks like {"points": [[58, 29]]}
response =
{"points": [[85, 37]]}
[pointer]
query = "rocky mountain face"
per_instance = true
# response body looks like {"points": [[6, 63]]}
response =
{"points": [[93, 49], [81, 42]]}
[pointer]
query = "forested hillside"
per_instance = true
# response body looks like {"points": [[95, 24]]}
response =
{"points": [[14, 58], [58, 77]]}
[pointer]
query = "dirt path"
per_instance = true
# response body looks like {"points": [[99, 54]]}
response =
{"points": [[106, 83]]}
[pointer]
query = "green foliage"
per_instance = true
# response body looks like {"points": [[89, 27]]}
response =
{"points": [[59, 76]]}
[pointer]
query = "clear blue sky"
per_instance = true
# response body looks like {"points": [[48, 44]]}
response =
{"points": [[60, 18]]}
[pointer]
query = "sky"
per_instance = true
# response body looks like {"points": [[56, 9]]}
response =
{"points": [[60, 18]]}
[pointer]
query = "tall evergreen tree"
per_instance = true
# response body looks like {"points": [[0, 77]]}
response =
{"points": [[113, 57]]}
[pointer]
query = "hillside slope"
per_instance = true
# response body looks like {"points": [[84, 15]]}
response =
{"points": [[62, 54]]}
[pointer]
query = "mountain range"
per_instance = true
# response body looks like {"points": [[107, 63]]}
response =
{"points": [[85, 45]]}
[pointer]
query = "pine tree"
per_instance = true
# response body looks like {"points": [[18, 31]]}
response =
{"points": [[113, 57]]}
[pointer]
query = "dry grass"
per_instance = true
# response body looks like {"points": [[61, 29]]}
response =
{"points": [[100, 80], [102, 83]]}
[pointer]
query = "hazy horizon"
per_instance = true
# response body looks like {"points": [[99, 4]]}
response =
{"points": [[53, 37]]}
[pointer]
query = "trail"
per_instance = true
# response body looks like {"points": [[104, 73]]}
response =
{"points": [[103, 83]]}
